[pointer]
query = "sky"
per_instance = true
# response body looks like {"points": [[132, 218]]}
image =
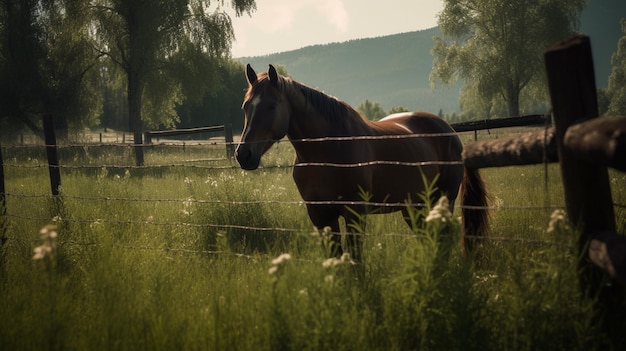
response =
{"points": [[283, 25]]}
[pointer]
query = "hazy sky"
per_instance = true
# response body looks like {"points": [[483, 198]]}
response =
{"points": [[283, 25]]}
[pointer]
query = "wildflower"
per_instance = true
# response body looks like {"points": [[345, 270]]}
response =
{"points": [[188, 181], [558, 221], [277, 264], [344, 259], [441, 211], [331, 262], [48, 235], [281, 259]]}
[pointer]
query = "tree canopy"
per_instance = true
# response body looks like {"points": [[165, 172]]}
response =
{"points": [[371, 110], [46, 58], [496, 46]]}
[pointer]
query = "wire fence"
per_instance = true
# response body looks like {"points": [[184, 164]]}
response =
{"points": [[224, 164]]}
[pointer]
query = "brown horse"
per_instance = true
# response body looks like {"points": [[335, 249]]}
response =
{"points": [[340, 155]]}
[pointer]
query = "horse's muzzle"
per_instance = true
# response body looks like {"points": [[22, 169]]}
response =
{"points": [[247, 158]]}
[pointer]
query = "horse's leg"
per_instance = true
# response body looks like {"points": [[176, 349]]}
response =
{"points": [[323, 218]]}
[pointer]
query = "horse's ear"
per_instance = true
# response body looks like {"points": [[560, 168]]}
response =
{"points": [[273, 75], [251, 74]]}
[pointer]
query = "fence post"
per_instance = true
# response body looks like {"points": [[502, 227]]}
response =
{"points": [[51, 151], [3, 207], [572, 86], [228, 136], [2, 196]]}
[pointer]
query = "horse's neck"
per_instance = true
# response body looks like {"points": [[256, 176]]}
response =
{"points": [[308, 122]]}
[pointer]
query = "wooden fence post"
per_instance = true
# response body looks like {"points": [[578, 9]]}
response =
{"points": [[2, 192], [571, 82], [51, 151], [3, 207], [228, 137]]}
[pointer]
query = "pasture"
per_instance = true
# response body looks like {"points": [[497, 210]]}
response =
{"points": [[188, 253]]}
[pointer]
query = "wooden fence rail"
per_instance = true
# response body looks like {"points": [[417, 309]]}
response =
{"points": [[507, 122], [226, 128]]}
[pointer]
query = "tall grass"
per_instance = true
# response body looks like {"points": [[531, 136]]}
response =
{"points": [[197, 270]]}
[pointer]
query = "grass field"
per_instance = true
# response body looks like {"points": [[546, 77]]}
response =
{"points": [[191, 256]]}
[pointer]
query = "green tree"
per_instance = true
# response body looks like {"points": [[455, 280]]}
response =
{"points": [[166, 48], [218, 106], [371, 110], [496, 46], [397, 109], [46, 61], [617, 80]]}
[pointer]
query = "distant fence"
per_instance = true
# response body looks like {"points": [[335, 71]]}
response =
{"points": [[495, 123], [226, 128], [584, 146]]}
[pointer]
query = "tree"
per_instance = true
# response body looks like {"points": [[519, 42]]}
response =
{"points": [[397, 109], [496, 46], [219, 106], [46, 61], [164, 46], [371, 110], [617, 80]]}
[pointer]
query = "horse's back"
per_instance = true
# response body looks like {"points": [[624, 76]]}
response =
{"points": [[436, 141], [417, 122]]}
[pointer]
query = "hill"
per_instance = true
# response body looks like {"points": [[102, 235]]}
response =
{"points": [[394, 70], [391, 70]]}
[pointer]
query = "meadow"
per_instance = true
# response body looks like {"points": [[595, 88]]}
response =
{"points": [[192, 253]]}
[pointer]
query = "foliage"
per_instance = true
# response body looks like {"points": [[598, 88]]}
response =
{"points": [[617, 80], [166, 48], [397, 109], [371, 110], [46, 66], [169, 258], [496, 46]]}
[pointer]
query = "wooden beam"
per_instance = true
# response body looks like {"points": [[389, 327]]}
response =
{"points": [[601, 140], [526, 149]]}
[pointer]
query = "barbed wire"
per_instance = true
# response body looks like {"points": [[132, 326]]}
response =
{"points": [[281, 202], [276, 230], [218, 142]]}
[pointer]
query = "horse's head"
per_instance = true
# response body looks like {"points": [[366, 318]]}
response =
{"points": [[266, 116]]}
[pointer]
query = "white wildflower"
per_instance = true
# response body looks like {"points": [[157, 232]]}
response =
{"points": [[558, 221], [281, 259], [331, 262], [441, 211], [277, 265], [48, 235]]}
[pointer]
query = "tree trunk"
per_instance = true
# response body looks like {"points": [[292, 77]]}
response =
{"points": [[134, 113], [512, 99]]}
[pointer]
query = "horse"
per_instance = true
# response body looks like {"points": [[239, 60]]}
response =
{"points": [[341, 156]]}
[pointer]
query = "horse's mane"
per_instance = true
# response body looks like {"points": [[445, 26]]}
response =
{"points": [[331, 108], [328, 106]]}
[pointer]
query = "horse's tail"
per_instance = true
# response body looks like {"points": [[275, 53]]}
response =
{"points": [[474, 208]]}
